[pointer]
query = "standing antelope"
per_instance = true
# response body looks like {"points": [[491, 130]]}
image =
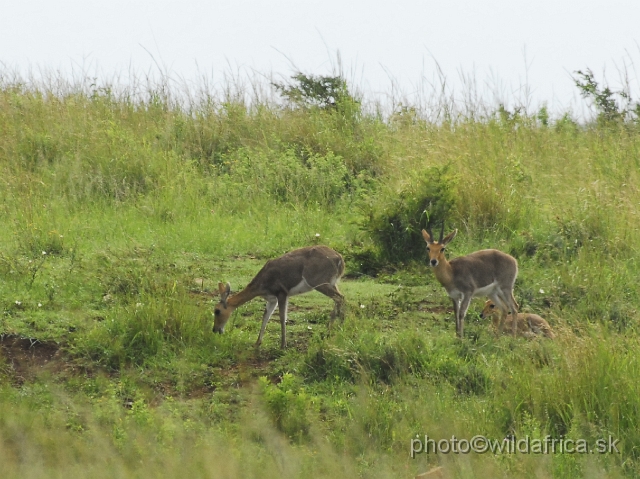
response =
{"points": [[487, 272], [299, 271], [530, 324]]}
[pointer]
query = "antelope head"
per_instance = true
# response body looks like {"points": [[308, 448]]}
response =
{"points": [[223, 311], [435, 249], [489, 308]]}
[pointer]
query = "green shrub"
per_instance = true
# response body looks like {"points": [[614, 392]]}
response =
{"points": [[324, 92], [395, 218]]}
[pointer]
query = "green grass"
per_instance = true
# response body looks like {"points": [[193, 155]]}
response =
{"points": [[122, 211]]}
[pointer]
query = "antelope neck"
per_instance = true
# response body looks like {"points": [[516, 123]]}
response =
{"points": [[241, 297], [443, 272]]}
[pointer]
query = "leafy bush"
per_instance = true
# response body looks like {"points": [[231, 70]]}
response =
{"points": [[396, 217], [604, 99], [325, 92]]}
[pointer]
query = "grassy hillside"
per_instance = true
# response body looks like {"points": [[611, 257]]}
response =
{"points": [[122, 209]]}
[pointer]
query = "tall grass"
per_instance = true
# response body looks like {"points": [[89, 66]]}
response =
{"points": [[124, 208]]}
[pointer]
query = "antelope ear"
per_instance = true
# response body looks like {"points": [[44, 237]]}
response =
{"points": [[426, 236], [449, 237], [224, 290]]}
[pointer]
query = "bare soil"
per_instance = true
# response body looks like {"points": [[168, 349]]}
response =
{"points": [[24, 358]]}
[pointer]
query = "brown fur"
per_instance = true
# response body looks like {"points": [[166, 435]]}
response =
{"points": [[529, 325], [488, 272], [319, 266]]}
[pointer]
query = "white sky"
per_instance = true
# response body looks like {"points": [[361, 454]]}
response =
{"points": [[378, 41]]}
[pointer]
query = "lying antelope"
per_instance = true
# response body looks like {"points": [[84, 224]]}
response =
{"points": [[488, 272], [300, 271], [529, 325]]}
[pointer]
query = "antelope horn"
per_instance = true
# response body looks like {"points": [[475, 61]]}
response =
{"points": [[428, 228], [441, 233]]}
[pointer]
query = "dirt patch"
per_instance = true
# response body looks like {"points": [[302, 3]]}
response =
{"points": [[24, 358]]}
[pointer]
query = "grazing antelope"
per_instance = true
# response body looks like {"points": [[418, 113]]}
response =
{"points": [[300, 271], [529, 325], [487, 272]]}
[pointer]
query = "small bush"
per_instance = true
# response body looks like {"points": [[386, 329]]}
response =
{"points": [[324, 92], [395, 219], [604, 99]]}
